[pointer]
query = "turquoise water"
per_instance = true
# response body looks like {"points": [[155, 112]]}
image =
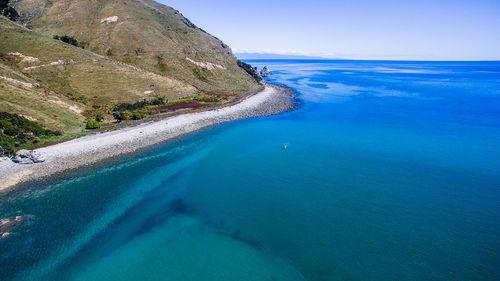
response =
{"points": [[391, 172]]}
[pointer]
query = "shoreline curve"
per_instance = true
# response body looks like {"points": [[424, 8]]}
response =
{"points": [[91, 149]]}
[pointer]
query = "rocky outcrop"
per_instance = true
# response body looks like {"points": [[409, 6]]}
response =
{"points": [[110, 19], [24, 156], [265, 72]]}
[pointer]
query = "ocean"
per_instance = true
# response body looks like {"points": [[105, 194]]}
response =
{"points": [[388, 170]]}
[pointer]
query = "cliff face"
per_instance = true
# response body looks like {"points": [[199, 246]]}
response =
{"points": [[119, 52], [143, 33]]}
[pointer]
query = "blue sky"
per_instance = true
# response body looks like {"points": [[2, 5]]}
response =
{"points": [[356, 29]]}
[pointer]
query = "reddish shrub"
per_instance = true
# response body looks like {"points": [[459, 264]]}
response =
{"points": [[177, 106]]}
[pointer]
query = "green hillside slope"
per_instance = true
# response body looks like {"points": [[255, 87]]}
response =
{"points": [[146, 34], [60, 85]]}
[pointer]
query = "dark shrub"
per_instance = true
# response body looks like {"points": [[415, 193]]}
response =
{"points": [[16, 130], [188, 22], [25, 124], [139, 104], [122, 111], [6, 145], [4, 123], [67, 39], [21, 138], [10, 130], [120, 116], [99, 117], [250, 70], [10, 13], [4, 4]]}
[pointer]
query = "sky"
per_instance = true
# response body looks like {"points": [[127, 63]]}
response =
{"points": [[353, 29]]}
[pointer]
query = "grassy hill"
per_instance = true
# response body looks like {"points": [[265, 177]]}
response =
{"points": [[125, 51], [143, 33], [61, 85]]}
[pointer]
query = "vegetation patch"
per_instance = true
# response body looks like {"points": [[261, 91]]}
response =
{"points": [[8, 11], [16, 131], [177, 106], [93, 124], [67, 39], [137, 116], [135, 111], [99, 116], [193, 103], [140, 109], [139, 104], [250, 70]]}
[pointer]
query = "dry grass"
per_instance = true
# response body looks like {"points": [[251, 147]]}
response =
{"points": [[85, 80], [141, 55], [149, 35]]}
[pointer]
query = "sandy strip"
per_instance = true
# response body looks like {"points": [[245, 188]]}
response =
{"points": [[90, 149]]}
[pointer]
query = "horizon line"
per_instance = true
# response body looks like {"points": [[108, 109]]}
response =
{"points": [[298, 56]]}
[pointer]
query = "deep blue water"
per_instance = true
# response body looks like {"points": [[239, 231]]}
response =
{"points": [[391, 172]]}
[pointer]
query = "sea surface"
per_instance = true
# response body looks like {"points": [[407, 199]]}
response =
{"points": [[388, 170]]}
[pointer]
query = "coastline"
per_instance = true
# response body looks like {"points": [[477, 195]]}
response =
{"points": [[91, 149]]}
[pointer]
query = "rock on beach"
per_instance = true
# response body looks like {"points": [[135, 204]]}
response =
{"points": [[24, 156]]}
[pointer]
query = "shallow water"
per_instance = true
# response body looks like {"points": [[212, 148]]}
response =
{"points": [[391, 172]]}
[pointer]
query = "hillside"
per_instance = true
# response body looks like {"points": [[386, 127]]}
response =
{"points": [[143, 33], [119, 52], [60, 85]]}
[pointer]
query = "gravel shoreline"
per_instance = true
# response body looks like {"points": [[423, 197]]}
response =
{"points": [[91, 149]]}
